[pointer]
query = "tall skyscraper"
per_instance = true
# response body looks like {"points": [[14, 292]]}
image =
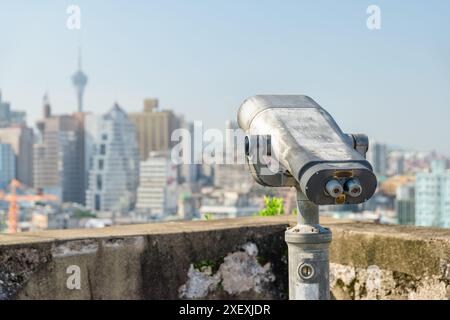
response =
{"points": [[7, 164], [433, 196], [113, 157], [154, 128], [21, 139], [79, 80], [58, 165], [189, 173], [378, 157], [157, 192]]}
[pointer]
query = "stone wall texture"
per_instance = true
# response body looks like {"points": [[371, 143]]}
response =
{"points": [[243, 258]]}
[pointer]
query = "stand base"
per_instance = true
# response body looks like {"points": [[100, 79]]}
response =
{"points": [[308, 256]]}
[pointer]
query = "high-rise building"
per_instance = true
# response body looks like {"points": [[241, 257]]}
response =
{"points": [[10, 117], [154, 128], [58, 166], [234, 175], [433, 196], [113, 157], [7, 164], [405, 205], [396, 163], [378, 157], [5, 112], [21, 139], [189, 172], [79, 80], [157, 192]]}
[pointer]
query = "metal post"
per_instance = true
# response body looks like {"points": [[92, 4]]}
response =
{"points": [[308, 246]]}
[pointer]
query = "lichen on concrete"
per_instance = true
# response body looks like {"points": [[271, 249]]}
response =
{"points": [[430, 289], [239, 273], [371, 283]]}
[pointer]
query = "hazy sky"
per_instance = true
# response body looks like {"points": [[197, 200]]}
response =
{"points": [[203, 58]]}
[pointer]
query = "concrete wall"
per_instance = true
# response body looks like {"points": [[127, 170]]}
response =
{"points": [[242, 258]]}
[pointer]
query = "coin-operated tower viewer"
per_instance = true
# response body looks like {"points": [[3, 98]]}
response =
{"points": [[291, 141]]}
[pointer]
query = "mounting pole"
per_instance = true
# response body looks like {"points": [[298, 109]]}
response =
{"points": [[308, 254]]}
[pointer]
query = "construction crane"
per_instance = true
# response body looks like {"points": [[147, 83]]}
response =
{"points": [[13, 198]]}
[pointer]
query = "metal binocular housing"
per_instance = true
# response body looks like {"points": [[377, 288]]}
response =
{"points": [[291, 141]]}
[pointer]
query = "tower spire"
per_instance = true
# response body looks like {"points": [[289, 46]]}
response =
{"points": [[79, 58], [79, 80]]}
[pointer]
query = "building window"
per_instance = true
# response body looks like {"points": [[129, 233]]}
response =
{"points": [[97, 202], [102, 149], [104, 137], [100, 164], [99, 182]]}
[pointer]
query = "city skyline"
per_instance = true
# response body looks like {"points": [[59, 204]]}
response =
{"points": [[207, 72]]}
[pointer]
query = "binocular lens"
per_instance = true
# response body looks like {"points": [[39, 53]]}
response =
{"points": [[353, 188], [334, 188]]}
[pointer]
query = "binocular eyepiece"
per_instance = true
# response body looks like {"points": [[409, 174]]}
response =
{"points": [[351, 187]]}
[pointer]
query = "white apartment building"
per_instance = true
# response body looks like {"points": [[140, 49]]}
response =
{"points": [[433, 197], [157, 194], [112, 157]]}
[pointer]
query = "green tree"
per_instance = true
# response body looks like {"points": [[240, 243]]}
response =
{"points": [[274, 207]]}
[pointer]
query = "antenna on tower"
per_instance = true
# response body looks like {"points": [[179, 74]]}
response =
{"points": [[79, 80], [79, 57]]}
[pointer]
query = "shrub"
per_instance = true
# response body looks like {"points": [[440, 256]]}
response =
{"points": [[274, 207]]}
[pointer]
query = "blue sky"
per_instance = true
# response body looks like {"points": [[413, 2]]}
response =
{"points": [[203, 58]]}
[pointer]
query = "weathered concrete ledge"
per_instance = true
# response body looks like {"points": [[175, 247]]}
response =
{"points": [[241, 258]]}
